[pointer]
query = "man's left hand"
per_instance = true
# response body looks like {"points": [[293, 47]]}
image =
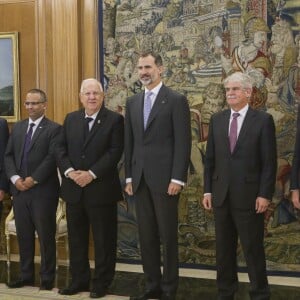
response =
{"points": [[2, 194], [261, 205], [174, 189], [28, 182], [83, 178]]}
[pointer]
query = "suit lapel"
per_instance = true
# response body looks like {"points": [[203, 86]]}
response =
{"points": [[159, 103], [248, 123], [23, 131], [98, 123], [224, 128], [38, 131]]}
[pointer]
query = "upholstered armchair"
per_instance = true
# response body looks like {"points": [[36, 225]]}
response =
{"points": [[61, 229]]}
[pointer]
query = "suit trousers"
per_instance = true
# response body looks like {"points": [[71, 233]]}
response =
{"points": [[103, 221], [157, 215], [230, 224], [35, 213], [1, 206]]}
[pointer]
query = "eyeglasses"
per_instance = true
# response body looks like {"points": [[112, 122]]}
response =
{"points": [[233, 89], [27, 103]]}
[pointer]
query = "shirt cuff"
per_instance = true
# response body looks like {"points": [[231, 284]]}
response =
{"points": [[128, 180], [207, 194], [14, 178], [93, 174], [68, 171], [178, 182]]}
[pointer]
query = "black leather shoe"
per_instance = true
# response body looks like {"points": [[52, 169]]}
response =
{"points": [[19, 283], [98, 294], [46, 285], [72, 290], [166, 296], [148, 295]]}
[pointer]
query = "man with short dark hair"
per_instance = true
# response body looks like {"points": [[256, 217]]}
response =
{"points": [[31, 167], [157, 155]]}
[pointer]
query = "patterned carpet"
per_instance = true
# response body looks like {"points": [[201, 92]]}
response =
{"points": [[31, 293]]}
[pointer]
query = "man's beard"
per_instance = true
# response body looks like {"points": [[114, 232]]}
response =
{"points": [[146, 81]]}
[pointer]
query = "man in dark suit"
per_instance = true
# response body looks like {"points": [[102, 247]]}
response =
{"points": [[92, 145], [157, 153], [295, 174], [31, 168], [239, 179], [4, 134]]}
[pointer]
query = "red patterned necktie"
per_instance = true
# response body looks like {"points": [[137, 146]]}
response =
{"points": [[233, 131]]}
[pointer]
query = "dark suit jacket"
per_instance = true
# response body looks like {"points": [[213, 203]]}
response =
{"points": [[162, 151], [295, 174], [100, 153], [250, 171], [41, 158], [4, 134]]}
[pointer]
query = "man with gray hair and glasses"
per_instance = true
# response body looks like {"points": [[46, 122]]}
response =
{"points": [[239, 180]]}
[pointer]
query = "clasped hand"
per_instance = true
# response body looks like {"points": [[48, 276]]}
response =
{"points": [[24, 184], [82, 178]]}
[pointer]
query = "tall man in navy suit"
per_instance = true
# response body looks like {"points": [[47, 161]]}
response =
{"points": [[239, 180], [91, 147], [4, 134], [31, 167], [157, 153]]}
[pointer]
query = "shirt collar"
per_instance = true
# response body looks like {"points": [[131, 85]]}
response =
{"points": [[93, 116], [155, 90], [242, 112], [36, 122]]}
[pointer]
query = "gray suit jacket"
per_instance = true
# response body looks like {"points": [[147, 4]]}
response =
{"points": [[162, 151], [250, 171]]}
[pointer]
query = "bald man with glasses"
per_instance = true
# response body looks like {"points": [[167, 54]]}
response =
{"points": [[31, 167]]}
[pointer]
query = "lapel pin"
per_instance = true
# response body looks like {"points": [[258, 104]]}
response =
{"points": [[99, 121]]}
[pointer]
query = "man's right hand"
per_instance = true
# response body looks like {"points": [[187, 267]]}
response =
{"points": [[20, 185], [206, 202], [295, 198], [128, 189]]}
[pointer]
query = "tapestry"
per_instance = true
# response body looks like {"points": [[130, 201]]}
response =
{"points": [[201, 42]]}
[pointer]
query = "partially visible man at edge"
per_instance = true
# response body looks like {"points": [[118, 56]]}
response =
{"points": [[4, 134]]}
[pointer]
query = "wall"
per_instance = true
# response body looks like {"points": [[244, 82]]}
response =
{"points": [[201, 42], [57, 49]]}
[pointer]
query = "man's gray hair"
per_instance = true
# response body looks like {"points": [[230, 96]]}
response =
{"points": [[85, 81], [244, 79]]}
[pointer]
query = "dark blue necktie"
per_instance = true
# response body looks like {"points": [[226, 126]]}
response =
{"points": [[87, 126], [27, 142]]}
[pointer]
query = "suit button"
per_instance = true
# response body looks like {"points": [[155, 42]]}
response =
{"points": [[83, 156]]}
